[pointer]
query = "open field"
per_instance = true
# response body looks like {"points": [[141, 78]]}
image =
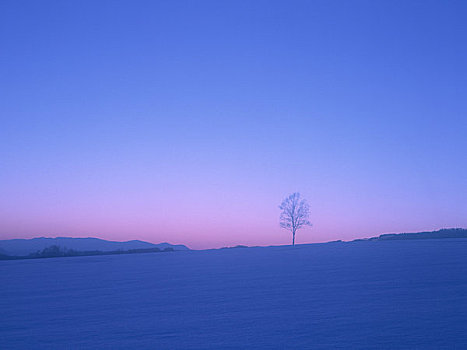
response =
{"points": [[390, 295]]}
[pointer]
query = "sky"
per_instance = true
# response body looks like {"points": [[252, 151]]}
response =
{"points": [[189, 121]]}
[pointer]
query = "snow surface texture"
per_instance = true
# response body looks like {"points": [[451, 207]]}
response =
{"points": [[361, 295]]}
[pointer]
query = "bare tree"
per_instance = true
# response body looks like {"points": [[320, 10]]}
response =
{"points": [[295, 214]]}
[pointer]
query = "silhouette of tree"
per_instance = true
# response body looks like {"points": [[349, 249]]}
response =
{"points": [[295, 213]]}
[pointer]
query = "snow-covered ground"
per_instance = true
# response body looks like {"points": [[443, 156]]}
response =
{"points": [[390, 295]]}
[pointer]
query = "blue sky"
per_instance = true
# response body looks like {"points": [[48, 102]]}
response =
{"points": [[189, 121]]}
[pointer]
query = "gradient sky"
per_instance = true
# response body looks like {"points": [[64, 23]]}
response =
{"points": [[190, 121]]}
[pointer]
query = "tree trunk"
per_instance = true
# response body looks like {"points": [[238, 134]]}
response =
{"points": [[293, 238]]}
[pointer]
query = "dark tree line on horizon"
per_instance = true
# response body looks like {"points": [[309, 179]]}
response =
{"points": [[56, 251]]}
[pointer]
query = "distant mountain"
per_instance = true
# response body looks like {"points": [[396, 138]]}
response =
{"points": [[23, 247], [440, 234]]}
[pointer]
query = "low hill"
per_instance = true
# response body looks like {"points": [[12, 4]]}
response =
{"points": [[23, 247]]}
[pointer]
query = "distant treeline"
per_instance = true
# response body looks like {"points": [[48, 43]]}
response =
{"points": [[440, 234], [56, 251], [235, 247]]}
